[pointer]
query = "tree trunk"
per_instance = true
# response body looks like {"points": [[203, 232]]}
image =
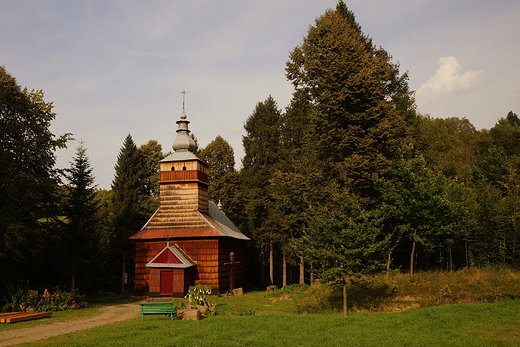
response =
{"points": [[302, 270], [388, 262], [123, 274], [271, 262], [451, 260], [73, 273], [311, 276], [345, 305], [389, 257], [262, 270], [412, 256], [284, 271], [467, 253]]}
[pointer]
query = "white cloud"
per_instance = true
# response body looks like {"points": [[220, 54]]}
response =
{"points": [[447, 80]]}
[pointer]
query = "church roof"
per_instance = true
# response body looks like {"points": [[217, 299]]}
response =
{"points": [[172, 257], [176, 218], [180, 156], [177, 224]]}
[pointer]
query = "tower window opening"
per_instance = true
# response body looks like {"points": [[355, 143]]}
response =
{"points": [[184, 167], [173, 168]]}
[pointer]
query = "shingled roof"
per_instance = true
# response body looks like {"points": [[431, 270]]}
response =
{"points": [[170, 223]]}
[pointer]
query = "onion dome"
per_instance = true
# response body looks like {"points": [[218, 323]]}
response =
{"points": [[183, 142]]}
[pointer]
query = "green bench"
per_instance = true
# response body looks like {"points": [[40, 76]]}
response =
{"points": [[157, 308]]}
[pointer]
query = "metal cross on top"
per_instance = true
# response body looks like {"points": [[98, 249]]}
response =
{"points": [[183, 96]]}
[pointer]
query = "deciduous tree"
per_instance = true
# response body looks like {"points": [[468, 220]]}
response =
{"points": [[359, 95], [28, 180], [224, 184], [344, 243], [419, 208], [151, 153]]}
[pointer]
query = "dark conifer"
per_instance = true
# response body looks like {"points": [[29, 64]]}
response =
{"points": [[80, 208], [127, 216], [262, 156]]}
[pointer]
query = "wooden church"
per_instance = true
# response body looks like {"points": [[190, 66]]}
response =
{"points": [[188, 240]]}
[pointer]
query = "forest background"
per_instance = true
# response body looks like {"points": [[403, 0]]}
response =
{"points": [[349, 179]]}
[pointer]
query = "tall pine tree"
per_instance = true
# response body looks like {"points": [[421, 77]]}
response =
{"points": [[81, 232], [261, 145], [127, 216]]}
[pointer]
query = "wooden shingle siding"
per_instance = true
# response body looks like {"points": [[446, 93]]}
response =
{"points": [[211, 255]]}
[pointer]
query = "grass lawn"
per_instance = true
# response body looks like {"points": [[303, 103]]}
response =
{"points": [[496, 324], [473, 307]]}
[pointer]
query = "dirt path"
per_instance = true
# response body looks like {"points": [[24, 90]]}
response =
{"points": [[107, 315]]}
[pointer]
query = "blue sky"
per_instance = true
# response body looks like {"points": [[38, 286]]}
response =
{"points": [[114, 67]]}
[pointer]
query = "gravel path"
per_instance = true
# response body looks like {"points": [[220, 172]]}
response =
{"points": [[107, 315]]}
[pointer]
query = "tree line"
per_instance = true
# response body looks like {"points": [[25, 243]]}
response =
{"points": [[351, 179], [348, 179]]}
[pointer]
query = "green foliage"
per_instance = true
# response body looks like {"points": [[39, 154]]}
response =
{"points": [[344, 242], [128, 214], [448, 145], [359, 98], [151, 153], [506, 134], [219, 156], [320, 298], [224, 180], [262, 156], [15, 300], [128, 186], [420, 207], [28, 181]]}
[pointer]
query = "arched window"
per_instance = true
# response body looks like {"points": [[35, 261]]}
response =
{"points": [[184, 167]]}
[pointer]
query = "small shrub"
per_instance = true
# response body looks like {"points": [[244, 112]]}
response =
{"points": [[368, 293], [319, 298], [15, 300], [197, 294]]}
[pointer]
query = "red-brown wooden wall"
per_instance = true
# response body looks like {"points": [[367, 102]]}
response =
{"points": [[211, 256]]}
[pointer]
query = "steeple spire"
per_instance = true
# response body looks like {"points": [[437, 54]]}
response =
{"points": [[183, 142], [183, 92]]}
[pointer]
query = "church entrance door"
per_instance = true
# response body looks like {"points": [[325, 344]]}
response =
{"points": [[167, 282]]}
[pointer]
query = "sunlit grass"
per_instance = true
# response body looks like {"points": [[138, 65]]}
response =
{"points": [[394, 311], [456, 325]]}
